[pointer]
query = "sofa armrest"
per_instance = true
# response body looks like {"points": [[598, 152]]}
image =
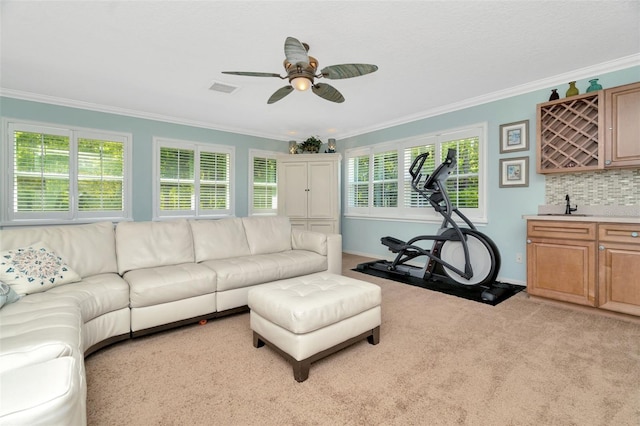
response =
{"points": [[334, 253], [309, 240], [329, 245]]}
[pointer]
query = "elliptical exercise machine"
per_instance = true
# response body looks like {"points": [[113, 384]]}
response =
{"points": [[457, 255]]}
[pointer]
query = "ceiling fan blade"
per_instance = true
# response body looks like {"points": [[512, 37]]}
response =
{"points": [[327, 92], [253, 74], [295, 51], [336, 72], [279, 94]]}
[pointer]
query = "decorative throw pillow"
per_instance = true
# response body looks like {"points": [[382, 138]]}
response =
{"points": [[34, 269], [7, 294]]}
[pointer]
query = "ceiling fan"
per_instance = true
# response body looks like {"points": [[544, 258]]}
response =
{"points": [[302, 70]]}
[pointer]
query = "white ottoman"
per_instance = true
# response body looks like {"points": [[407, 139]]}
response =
{"points": [[307, 318]]}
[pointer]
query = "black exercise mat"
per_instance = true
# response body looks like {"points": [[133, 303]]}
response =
{"points": [[502, 291]]}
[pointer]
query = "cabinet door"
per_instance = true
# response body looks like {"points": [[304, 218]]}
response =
{"points": [[326, 227], [322, 192], [299, 224], [619, 270], [619, 267], [562, 270], [622, 126], [293, 196]]}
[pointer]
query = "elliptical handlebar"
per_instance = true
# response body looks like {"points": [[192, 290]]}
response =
{"points": [[416, 166], [441, 173]]}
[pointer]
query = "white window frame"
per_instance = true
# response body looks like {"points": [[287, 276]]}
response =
{"points": [[271, 155], [10, 217], [427, 213], [197, 147]]}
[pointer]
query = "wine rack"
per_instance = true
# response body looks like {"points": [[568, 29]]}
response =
{"points": [[569, 134]]}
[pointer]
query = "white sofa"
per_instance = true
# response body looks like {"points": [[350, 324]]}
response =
{"points": [[136, 278]]}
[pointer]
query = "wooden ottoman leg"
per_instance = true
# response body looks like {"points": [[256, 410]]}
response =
{"points": [[301, 370], [257, 342], [374, 339]]}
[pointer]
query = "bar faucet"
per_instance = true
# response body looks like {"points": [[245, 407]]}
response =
{"points": [[568, 208]]}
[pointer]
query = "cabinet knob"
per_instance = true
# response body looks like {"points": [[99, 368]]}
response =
{"points": [[600, 248], [528, 241], [607, 162], [634, 234]]}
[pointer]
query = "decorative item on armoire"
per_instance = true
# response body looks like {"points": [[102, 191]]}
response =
{"points": [[310, 145], [554, 95], [572, 90], [595, 86], [293, 147], [331, 146]]}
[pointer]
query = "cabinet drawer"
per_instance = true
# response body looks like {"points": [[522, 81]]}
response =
{"points": [[561, 229], [619, 233]]}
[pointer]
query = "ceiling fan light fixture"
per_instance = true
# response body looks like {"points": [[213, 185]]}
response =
{"points": [[302, 71], [301, 83]]}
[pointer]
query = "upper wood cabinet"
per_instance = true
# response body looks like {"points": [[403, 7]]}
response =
{"points": [[622, 126], [569, 134], [587, 132]]}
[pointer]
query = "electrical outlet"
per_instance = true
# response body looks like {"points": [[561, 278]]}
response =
{"points": [[518, 257]]}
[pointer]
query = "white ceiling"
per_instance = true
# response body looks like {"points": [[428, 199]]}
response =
{"points": [[157, 59]]}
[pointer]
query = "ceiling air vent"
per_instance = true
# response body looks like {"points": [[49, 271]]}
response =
{"points": [[221, 87]]}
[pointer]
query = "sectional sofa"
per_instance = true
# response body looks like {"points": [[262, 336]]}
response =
{"points": [[109, 283]]}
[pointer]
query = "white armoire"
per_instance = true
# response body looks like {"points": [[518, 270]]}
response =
{"points": [[309, 191]]}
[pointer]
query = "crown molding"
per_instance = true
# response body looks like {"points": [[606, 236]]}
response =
{"points": [[72, 103], [587, 72], [582, 73]]}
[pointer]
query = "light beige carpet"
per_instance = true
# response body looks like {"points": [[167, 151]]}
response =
{"points": [[441, 361]]}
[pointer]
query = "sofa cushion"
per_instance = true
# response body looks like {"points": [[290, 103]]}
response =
{"points": [[153, 286], [38, 332], [219, 239], [88, 249], [150, 244], [271, 234], [93, 296], [96, 295], [34, 268], [33, 354], [251, 270], [48, 393]]}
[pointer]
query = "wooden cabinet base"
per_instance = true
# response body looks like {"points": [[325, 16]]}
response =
{"points": [[585, 263]]}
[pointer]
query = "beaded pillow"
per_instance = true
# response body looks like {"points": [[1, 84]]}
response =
{"points": [[34, 269]]}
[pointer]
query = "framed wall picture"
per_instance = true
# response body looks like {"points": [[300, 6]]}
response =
{"points": [[514, 172], [514, 136]]}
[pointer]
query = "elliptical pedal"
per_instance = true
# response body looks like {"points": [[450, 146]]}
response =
{"points": [[394, 244]]}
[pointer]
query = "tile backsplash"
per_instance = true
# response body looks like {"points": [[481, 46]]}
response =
{"points": [[616, 187]]}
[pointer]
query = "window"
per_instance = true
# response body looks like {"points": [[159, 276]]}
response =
{"points": [[263, 192], [58, 175], [378, 180], [358, 181], [192, 180], [385, 179]]}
